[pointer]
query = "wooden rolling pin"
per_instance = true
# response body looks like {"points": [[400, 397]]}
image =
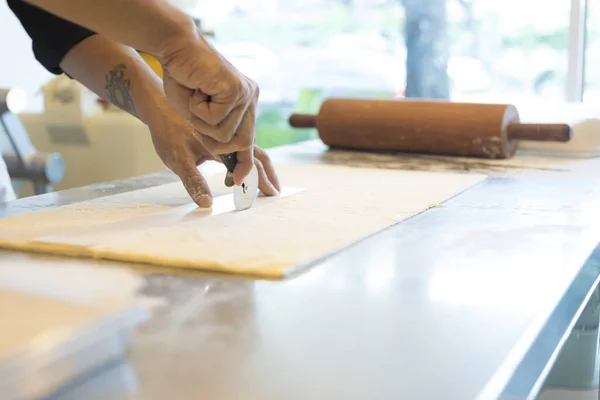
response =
{"points": [[431, 127]]}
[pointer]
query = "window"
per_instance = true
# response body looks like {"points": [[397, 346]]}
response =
{"points": [[510, 51], [302, 51], [591, 89]]}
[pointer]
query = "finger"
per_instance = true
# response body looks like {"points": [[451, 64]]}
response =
{"points": [[199, 97], [245, 162], [236, 144], [264, 184], [245, 158], [247, 126], [196, 186], [224, 131], [178, 96], [265, 160], [241, 141], [216, 108]]}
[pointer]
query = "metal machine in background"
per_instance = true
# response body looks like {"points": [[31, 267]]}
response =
{"points": [[25, 163], [98, 142]]}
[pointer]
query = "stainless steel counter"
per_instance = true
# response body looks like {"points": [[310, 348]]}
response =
{"points": [[472, 300]]}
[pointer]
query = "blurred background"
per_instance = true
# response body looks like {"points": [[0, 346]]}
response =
{"points": [[462, 50], [303, 51]]}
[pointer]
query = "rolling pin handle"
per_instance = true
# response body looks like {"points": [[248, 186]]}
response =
{"points": [[303, 121], [540, 132]]}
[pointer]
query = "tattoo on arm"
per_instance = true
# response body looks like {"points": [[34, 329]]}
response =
{"points": [[117, 87]]}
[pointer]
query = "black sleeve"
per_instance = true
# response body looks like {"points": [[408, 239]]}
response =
{"points": [[52, 37]]}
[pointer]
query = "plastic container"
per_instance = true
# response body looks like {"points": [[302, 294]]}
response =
{"points": [[47, 344]]}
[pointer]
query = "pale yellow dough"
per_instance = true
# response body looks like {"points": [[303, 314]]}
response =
{"points": [[337, 206]]}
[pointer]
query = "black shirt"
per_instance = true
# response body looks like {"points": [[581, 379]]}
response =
{"points": [[52, 37]]}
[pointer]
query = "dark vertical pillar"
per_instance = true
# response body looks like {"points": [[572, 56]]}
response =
{"points": [[427, 49]]}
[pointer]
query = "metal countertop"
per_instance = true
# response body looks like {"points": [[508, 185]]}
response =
{"points": [[470, 300]]}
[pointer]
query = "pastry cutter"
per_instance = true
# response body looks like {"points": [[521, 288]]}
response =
{"points": [[245, 194]]}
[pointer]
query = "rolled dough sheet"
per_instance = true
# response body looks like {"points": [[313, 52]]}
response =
{"points": [[322, 209]]}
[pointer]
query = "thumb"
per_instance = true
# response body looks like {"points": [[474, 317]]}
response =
{"points": [[244, 165], [196, 186]]}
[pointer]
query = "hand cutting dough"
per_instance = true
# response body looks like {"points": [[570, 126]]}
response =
{"points": [[337, 206]]}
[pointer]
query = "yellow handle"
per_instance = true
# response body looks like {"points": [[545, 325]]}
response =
{"points": [[152, 63]]}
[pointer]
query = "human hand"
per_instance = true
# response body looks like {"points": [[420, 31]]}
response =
{"points": [[178, 147], [218, 100]]}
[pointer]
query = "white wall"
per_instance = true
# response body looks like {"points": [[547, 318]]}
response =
{"points": [[18, 67]]}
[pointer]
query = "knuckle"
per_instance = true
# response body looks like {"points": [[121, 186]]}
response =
{"points": [[211, 135], [214, 118], [202, 117], [258, 151], [226, 135], [263, 155], [259, 165], [252, 91], [243, 141], [232, 129], [225, 132], [232, 148], [239, 89], [219, 136]]}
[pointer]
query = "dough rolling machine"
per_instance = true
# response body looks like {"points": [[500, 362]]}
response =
{"points": [[430, 127], [23, 160]]}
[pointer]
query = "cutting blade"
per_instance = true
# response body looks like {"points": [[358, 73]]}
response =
{"points": [[245, 194]]}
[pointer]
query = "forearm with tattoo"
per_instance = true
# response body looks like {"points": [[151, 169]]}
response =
{"points": [[118, 74], [118, 87]]}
